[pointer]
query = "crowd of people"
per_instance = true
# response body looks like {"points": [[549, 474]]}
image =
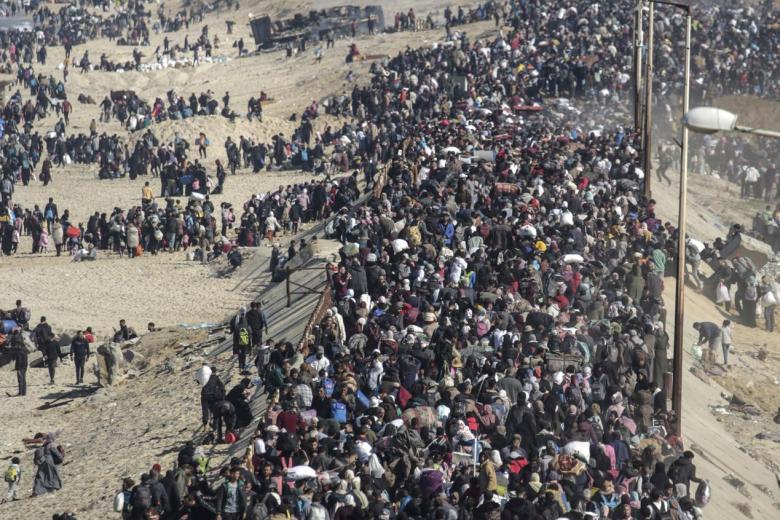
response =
{"points": [[497, 341]]}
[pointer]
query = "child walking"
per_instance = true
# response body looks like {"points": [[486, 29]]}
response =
{"points": [[725, 341], [13, 477]]}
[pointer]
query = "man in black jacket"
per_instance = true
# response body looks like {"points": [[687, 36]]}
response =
{"points": [[20, 360], [683, 471], [79, 353], [52, 353], [257, 322], [42, 334]]}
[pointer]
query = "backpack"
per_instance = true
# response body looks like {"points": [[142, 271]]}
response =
{"points": [[11, 474], [243, 337], [338, 411], [24, 315], [141, 498]]}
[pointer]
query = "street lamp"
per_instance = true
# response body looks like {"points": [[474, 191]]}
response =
{"points": [[708, 120]]}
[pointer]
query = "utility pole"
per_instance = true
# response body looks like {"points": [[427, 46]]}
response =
{"points": [[638, 41], [679, 300], [647, 137]]}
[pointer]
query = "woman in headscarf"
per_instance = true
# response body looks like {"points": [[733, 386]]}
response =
{"points": [[47, 457]]}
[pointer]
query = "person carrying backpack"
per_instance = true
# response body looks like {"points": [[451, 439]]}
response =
{"points": [[258, 322], [141, 498], [12, 477], [123, 499], [242, 338]]}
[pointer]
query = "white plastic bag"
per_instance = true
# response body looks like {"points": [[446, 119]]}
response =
{"points": [[119, 502], [399, 245], [722, 293]]}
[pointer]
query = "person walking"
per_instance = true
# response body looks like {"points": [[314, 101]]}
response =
{"points": [[50, 213], [683, 471], [79, 353], [242, 338], [53, 354], [47, 457], [202, 143], [231, 498], [725, 341], [20, 361], [693, 258], [768, 291], [258, 322], [13, 478]]}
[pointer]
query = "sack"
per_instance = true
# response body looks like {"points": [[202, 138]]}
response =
{"points": [[338, 411], [139, 250], [231, 437], [58, 454], [722, 293], [768, 299], [119, 502], [357, 342], [243, 337], [703, 493], [414, 236], [11, 474]]}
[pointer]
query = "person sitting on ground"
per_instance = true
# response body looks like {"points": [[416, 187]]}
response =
{"points": [[124, 333]]}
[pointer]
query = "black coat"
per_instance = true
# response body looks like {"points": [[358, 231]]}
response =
{"points": [[359, 282], [52, 351], [79, 348], [20, 358], [243, 410], [213, 391]]}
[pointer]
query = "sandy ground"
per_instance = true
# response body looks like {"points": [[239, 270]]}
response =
{"points": [[108, 435], [147, 419], [740, 466]]}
